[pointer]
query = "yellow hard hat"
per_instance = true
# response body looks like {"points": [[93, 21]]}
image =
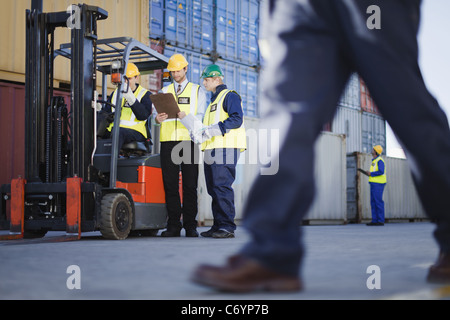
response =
{"points": [[177, 62], [132, 70], [378, 149]]}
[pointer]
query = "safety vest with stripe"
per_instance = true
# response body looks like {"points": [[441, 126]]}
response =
{"points": [[187, 100], [215, 113], [374, 168], [127, 118]]}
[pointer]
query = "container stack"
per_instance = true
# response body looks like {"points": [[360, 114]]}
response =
{"points": [[224, 32], [358, 118]]}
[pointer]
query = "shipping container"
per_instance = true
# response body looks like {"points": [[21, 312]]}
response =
{"points": [[244, 80], [351, 96], [367, 103], [330, 203], [373, 131], [12, 50], [362, 129], [12, 129], [400, 195], [348, 121], [227, 29]]}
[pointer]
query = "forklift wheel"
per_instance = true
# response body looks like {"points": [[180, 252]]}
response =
{"points": [[117, 216]]}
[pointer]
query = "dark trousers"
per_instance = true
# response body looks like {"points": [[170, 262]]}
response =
{"points": [[315, 45], [220, 173], [376, 201], [175, 157]]}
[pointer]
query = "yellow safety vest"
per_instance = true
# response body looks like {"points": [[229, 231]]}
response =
{"points": [[374, 168], [173, 129], [215, 113], [127, 118]]}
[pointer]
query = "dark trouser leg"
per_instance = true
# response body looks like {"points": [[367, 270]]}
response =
{"points": [[189, 173], [219, 178], [300, 88], [170, 173]]}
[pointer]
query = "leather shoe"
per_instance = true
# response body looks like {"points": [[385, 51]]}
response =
{"points": [[242, 274], [222, 234], [170, 233], [208, 234], [440, 271], [191, 233]]}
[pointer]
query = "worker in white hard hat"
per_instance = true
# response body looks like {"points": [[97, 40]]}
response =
{"points": [[377, 181], [191, 98], [136, 109]]}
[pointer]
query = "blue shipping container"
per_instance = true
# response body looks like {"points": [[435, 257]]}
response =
{"points": [[228, 27], [244, 80], [183, 23]]}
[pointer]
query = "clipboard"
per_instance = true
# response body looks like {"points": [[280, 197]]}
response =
{"points": [[165, 103], [362, 171]]}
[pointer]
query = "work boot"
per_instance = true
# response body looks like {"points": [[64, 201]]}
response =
{"points": [[242, 274], [440, 271]]}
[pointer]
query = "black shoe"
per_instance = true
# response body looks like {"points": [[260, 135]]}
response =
{"points": [[170, 233], [191, 233], [223, 234], [375, 224], [208, 234]]}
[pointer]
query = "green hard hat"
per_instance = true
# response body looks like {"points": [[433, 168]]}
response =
{"points": [[213, 70]]}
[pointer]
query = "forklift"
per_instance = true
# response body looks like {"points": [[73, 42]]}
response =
{"points": [[74, 181]]}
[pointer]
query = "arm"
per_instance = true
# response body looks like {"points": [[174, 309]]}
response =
{"points": [[143, 109], [233, 106], [380, 170]]}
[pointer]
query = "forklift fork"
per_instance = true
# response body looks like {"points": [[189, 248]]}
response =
{"points": [[73, 213]]}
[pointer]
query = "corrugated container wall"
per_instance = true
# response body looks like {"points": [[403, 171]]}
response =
{"points": [[12, 37], [363, 126]]}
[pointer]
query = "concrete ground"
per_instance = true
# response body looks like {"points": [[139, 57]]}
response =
{"points": [[337, 265]]}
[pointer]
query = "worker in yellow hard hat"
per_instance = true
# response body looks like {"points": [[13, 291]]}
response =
{"points": [[191, 98], [377, 181], [136, 109]]}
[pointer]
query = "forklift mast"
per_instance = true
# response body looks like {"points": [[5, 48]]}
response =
{"points": [[45, 128]]}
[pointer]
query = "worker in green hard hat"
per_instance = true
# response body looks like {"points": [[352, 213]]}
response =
{"points": [[223, 138]]}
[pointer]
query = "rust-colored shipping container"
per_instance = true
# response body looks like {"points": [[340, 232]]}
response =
{"points": [[12, 130], [367, 103]]}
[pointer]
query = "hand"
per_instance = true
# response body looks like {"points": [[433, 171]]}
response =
{"points": [[181, 114], [213, 130], [161, 117], [129, 96], [368, 173]]}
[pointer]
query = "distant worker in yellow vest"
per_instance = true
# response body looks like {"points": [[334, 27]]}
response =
{"points": [[175, 142], [223, 137], [136, 109], [377, 181]]}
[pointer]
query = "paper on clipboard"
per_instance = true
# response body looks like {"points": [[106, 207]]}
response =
{"points": [[165, 103]]}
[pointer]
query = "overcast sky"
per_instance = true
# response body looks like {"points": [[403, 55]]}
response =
{"points": [[434, 56]]}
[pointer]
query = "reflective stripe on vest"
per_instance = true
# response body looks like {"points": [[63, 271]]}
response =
{"points": [[374, 168], [215, 113], [173, 129], [127, 118]]}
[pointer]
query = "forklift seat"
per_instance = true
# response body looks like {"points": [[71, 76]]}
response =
{"points": [[136, 147]]}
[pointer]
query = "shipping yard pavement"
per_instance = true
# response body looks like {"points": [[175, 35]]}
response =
{"points": [[342, 262]]}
